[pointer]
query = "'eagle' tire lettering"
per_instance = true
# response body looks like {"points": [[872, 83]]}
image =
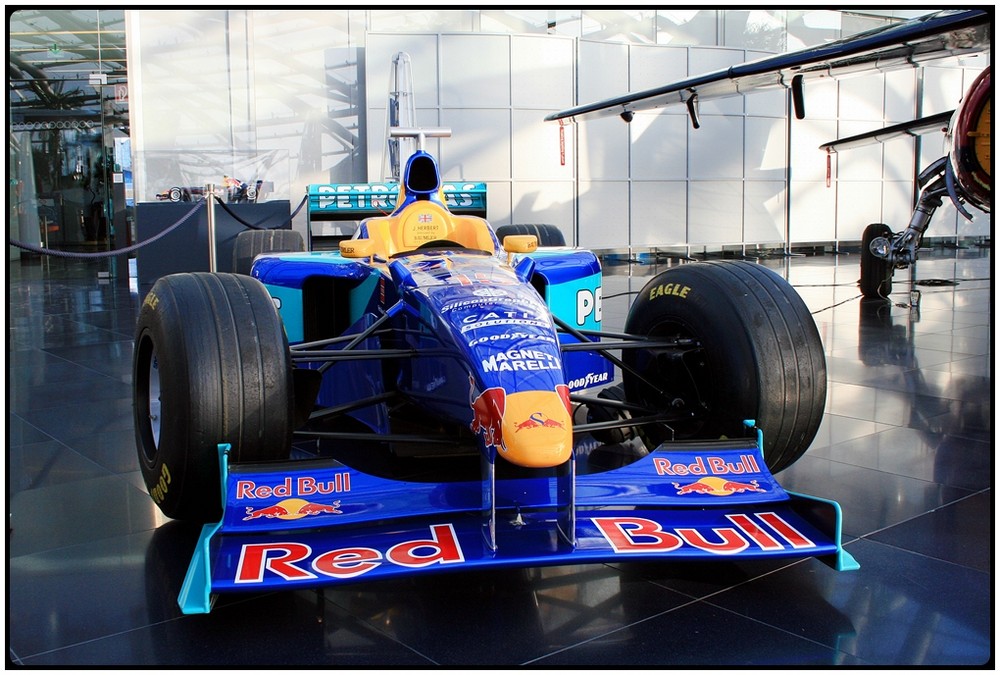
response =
{"points": [[669, 289]]}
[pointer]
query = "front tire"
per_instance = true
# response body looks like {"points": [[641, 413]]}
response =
{"points": [[211, 365], [759, 356]]}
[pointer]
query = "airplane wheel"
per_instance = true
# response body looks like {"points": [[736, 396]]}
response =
{"points": [[251, 243], [876, 273], [756, 355], [211, 365], [548, 235]]}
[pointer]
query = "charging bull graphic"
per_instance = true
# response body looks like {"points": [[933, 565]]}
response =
{"points": [[293, 509], [529, 428], [537, 419], [487, 415], [719, 487]]}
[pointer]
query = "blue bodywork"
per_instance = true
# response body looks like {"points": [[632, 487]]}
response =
{"points": [[439, 310]]}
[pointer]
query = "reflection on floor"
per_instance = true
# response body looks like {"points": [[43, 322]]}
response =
{"points": [[906, 448]]}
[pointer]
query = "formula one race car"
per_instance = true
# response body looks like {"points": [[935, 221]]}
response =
{"points": [[422, 400], [181, 194], [236, 192]]}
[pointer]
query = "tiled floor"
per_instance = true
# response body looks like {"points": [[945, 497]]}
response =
{"points": [[906, 448]]}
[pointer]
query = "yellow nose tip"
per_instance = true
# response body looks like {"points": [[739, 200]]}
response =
{"points": [[537, 429]]}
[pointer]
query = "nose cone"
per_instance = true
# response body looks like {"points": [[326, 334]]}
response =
{"points": [[537, 428]]}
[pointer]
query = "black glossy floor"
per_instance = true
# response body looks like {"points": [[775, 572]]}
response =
{"points": [[906, 448]]}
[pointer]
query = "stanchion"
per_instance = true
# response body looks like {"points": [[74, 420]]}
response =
{"points": [[210, 213]]}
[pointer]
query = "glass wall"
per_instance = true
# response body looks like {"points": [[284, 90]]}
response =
{"points": [[68, 141], [313, 86]]}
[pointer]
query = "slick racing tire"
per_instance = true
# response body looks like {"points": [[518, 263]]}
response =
{"points": [[548, 235], [756, 355], [876, 273], [251, 243], [211, 365]]}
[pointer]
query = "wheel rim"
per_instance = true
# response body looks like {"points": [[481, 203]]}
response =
{"points": [[153, 397], [678, 371], [148, 406]]}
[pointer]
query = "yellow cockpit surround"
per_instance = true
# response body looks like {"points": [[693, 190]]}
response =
{"points": [[423, 222]]}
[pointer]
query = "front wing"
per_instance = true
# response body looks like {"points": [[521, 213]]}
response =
{"points": [[314, 523]]}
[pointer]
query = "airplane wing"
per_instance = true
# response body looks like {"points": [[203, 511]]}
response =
{"points": [[938, 35], [924, 125]]}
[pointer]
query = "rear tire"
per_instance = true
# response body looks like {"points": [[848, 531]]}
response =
{"points": [[760, 358], [211, 365], [251, 243], [548, 235], [876, 273]]}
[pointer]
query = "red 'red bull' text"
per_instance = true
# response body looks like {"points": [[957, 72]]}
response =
{"points": [[706, 466], [303, 486], [641, 535], [288, 559]]}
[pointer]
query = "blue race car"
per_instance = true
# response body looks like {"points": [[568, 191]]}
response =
{"points": [[430, 398]]}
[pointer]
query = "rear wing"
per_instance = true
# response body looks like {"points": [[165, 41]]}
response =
{"points": [[357, 201]]}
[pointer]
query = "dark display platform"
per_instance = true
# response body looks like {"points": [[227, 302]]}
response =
{"points": [[186, 248]]}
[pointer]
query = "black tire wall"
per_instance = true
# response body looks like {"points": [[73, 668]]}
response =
{"points": [[224, 374], [251, 243], [763, 358], [548, 235]]}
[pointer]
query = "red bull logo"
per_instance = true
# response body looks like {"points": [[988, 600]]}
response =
{"points": [[537, 419], [302, 486], [295, 561], [717, 487], [498, 417], [703, 466], [292, 509], [563, 391], [487, 415], [628, 534]]}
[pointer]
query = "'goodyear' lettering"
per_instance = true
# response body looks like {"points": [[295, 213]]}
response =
{"points": [[159, 491], [590, 380], [669, 289]]}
